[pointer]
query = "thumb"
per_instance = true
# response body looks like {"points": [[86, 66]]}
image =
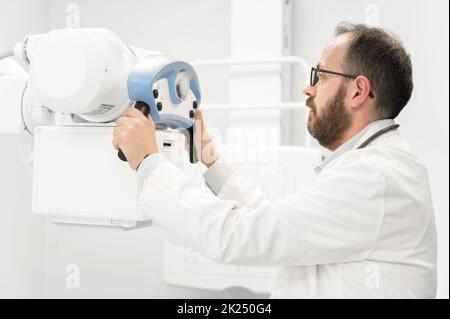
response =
{"points": [[200, 121], [199, 131], [198, 115]]}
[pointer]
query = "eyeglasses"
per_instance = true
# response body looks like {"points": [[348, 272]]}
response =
{"points": [[314, 78]]}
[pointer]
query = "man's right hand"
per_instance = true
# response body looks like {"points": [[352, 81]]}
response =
{"points": [[206, 151]]}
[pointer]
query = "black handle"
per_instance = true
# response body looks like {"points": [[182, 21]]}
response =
{"points": [[145, 109], [193, 158]]}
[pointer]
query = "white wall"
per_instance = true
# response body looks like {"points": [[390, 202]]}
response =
{"points": [[424, 27], [21, 233]]}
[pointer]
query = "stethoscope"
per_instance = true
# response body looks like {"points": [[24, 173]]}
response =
{"points": [[378, 134], [366, 142]]}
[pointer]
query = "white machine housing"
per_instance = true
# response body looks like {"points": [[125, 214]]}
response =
{"points": [[78, 179], [86, 76]]}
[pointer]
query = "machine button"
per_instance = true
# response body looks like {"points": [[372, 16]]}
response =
{"points": [[159, 106], [155, 93]]}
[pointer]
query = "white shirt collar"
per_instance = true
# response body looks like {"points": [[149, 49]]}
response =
{"points": [[355, 141]]}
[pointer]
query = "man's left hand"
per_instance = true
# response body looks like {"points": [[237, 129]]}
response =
{"points": [[135, 136]]}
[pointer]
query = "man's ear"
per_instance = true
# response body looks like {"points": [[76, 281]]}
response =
{"points": [[360, 90]]}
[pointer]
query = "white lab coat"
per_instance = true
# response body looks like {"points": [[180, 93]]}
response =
{"points": [[364, 228]]}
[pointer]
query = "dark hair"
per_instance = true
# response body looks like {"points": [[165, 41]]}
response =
{"points": [[380, 56]]}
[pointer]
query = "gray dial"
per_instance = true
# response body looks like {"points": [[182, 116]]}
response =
{"points": [[182, 85]]}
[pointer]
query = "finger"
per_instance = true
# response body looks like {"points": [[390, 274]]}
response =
{"points": [[150, 119], [133, 112], [206, 136], [123, 129], [200, 122], [131, 124], [199, 115], [117, 132], [198, 132], [115, 143], [122, 120], [119, 129]]}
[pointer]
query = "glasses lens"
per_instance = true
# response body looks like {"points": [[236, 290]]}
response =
{"points": [[314, 78]]}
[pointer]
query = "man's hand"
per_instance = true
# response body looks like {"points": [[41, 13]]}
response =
{"points": [[135, 136], [203, 143]]}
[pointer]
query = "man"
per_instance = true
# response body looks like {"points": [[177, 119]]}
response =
{"points": [[364, 228]]}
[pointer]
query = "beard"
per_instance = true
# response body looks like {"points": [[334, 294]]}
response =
{"points": [[329, 126]]}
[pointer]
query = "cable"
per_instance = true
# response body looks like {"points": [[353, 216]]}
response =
{"points": [[22, 112], [6, 54]]}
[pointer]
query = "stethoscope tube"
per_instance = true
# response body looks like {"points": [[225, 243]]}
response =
{"points": [[378, 134]]}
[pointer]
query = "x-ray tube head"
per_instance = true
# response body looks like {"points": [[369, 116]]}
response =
{"points": [[83, 72]]}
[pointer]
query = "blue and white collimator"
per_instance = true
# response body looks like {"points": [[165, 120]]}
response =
{"points": [[169, 90]]}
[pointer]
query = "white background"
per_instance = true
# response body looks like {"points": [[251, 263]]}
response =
{"points": [[34, 252]]}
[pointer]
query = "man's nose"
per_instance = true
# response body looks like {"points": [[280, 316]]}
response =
{"points": [[309, 91]]}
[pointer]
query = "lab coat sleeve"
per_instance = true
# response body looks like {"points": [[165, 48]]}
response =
{"points": [[337, 218], [226, 184]]}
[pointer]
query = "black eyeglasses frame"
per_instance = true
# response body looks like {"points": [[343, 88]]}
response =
{"points": [[314, 78]]}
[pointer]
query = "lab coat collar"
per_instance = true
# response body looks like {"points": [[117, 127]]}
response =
{"points": [[356, 141]]}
